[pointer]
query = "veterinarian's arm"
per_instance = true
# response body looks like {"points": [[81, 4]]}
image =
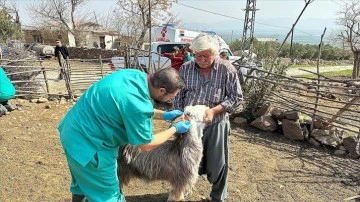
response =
{"points": [[158, 114], [179, 127], [158, 139], [167, 115]]}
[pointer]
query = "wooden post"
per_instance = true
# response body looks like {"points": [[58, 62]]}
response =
{"points": [[347, 106], [159, 56], [318, 82], [150, 55], [126, 62], [67, 78], [101, 67], [46, 80]]}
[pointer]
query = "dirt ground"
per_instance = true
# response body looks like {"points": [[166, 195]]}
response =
{"points": [[264, 166]]}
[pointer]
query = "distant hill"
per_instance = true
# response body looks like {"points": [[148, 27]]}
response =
{"points": [[307, 31], [277, 24]]}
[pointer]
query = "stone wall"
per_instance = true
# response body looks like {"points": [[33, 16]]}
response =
{"points": [[93, 53]]}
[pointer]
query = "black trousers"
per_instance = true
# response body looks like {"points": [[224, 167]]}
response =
{"points": [[215, 161]]}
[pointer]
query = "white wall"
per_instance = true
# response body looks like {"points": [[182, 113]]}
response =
{"points": [[71, 40], [91, 38]]}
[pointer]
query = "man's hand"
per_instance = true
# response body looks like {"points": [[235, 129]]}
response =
{"points": [[209, 116], [171, 115], [182, 126]]}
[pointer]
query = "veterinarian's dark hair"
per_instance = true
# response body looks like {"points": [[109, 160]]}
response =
{"points": [[167, 78]]}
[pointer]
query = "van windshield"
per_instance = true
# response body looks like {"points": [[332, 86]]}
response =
{"points": [[166, 48], [229, 53]]}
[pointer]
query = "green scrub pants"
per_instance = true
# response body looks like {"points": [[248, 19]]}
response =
{"points": [[98, 180]]}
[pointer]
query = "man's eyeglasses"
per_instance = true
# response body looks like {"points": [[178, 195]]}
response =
{"points": [[172, 97]]}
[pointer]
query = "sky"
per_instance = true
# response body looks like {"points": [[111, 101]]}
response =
{"points": [[212, 11], [275, 15], [267, 9], [228, 15]]}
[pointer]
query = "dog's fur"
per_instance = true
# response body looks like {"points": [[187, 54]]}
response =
{"points": [[176, 161]]}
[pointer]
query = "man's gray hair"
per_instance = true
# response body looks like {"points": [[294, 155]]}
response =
{"points": [[205, 42], [167, 78]]}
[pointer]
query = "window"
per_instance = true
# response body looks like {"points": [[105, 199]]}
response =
{"points": [[229, 53], [166, 48]]}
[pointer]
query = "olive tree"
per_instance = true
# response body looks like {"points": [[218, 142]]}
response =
{"points": [[349, 19], [10, 27], [141, 15], [66, 15]]}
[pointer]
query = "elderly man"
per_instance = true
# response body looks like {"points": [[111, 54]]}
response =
{"points": [[115, 111], [213, 82]]}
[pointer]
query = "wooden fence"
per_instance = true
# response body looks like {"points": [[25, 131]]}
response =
{"points": [[336, 101], [41, 78]]}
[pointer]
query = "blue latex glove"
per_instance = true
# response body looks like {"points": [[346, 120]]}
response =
{"points": [[182, 126], [172, 115]]}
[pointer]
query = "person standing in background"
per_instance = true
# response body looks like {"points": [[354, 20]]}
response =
{"points": [[188, 54], [61, 54], [224, 55], [176, 57]]}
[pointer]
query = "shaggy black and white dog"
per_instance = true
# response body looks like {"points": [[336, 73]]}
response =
{"points": [[176, 161]]}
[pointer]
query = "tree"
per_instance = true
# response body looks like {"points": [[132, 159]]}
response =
{"points": [[235, 45], [10, 27], [135, 14], [62, 14], [349, 18]]}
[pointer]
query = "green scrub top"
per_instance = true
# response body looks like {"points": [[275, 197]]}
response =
{"points": [[115, 111], [7, 89]]}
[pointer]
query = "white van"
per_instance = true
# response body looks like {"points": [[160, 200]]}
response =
{"points": [[169, 34], [165, 38]]}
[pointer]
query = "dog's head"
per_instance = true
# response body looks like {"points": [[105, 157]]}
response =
{"points": [[195, 114]]}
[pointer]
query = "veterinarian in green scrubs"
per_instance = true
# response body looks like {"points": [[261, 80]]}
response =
{"points": [[115, 111]]}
